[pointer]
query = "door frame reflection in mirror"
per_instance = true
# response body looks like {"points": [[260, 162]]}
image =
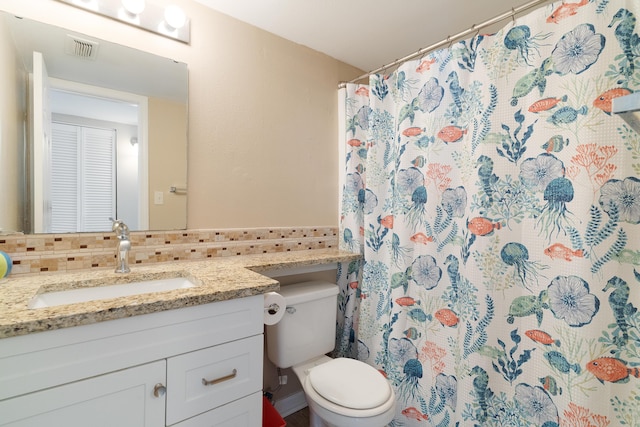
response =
{"points": [[90, 91]]}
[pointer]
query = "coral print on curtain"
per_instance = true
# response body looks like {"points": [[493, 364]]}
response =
{"points": [[496, 201]]}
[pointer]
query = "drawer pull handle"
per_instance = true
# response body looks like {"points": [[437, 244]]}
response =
{"points": [[231, 376]]}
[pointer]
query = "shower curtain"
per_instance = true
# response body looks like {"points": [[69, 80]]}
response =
{"points": [[496, 201]]}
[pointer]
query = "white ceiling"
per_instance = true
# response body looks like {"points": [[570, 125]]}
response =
{"points": [[365, 33]]}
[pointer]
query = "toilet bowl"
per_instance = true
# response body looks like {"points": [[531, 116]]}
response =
{"points": [[340, 392], [345, 393]]}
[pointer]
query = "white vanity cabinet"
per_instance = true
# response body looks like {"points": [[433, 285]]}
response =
{"points": [[196, 366]]}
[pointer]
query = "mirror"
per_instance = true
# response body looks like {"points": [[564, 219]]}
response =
{"points": [[138, 98]]}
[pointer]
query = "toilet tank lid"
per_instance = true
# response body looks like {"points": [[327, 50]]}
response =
{"points": [[307, 291]]}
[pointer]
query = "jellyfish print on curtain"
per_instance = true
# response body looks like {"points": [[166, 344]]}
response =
{"points": [[496, 201]]}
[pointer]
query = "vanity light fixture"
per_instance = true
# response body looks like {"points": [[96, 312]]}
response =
{"points": [[170, 22], [91, 5]]}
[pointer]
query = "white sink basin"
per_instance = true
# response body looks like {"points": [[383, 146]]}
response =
{"points": [[72, 296]]}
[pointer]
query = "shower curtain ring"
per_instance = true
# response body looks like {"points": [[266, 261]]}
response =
{"points": [[473, 27], [449, 42], [513, 15]]}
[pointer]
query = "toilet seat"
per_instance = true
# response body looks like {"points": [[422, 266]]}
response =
{"points": [[350, 384], [315, 400]]}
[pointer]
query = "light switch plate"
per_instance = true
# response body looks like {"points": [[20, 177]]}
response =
{"points": [[158, 198]]}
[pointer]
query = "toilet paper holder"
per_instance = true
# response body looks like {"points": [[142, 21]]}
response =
{"points": [[274, 308], [274, 305]]}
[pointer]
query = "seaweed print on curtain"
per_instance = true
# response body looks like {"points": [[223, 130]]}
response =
{"points": [[496, 201]]}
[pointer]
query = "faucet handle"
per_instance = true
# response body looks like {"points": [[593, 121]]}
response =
{"points": [[119, 227]]}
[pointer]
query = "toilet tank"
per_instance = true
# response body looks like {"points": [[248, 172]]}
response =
{"points": [[308, 328]]}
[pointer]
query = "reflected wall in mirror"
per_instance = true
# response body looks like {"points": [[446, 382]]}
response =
{"points": [[88, 129]]}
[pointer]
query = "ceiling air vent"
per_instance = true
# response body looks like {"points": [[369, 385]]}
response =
{"points": [[86, 49]]}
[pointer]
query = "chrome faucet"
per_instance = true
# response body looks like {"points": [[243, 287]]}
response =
{"points": [[124, 245]]}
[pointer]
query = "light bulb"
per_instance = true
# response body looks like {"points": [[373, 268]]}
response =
{"points": [[174, 16], [134, 7]]}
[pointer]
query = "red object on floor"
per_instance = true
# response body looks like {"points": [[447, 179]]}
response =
{"points": [[271, 417]]}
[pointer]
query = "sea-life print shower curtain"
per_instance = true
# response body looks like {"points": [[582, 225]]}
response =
{"points": [[496, 201]]}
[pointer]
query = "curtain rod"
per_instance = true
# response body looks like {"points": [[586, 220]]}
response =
{"points": [[450, 39]]}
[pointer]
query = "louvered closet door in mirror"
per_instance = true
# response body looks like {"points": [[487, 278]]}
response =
{"points": [[83, 178]]}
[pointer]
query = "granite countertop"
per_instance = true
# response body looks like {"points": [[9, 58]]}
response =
{"points": [[217, 279]]}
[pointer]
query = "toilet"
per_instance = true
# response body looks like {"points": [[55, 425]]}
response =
{"points": [[340, 392]]}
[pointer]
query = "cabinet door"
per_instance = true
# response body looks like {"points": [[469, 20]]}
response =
{"points": [[123, 399], [245, 412]]}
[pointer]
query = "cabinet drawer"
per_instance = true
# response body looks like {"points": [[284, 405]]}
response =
{"points": [[205, 379], [245, 412]]}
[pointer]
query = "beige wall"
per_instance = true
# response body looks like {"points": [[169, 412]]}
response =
{"points": [[12, 107], [167, 164], [262, 115]]}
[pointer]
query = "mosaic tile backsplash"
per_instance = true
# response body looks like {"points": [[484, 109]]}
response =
{"points": [[40, 253]]}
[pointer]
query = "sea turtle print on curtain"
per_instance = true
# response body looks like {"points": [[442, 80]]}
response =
{"points": [[496, 201]]}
